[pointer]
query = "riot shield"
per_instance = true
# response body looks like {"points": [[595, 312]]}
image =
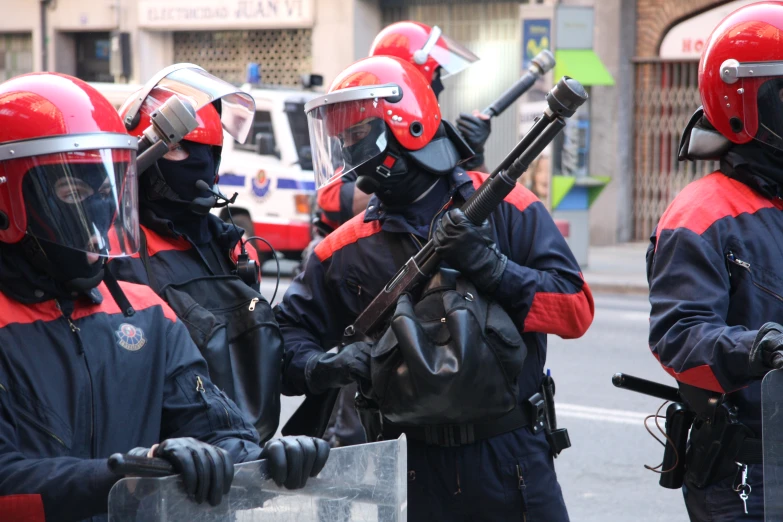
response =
{"points": [[772, 440], [364, 483]]}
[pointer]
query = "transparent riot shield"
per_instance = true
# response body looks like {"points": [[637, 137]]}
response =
{"points": [[772, 440], [364, 483]]}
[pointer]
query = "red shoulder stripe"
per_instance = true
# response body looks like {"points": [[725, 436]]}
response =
{"points": [[350, 232], [520, 197], [22, 508], [141, 297], [14, 312], [709, 199], [328, 198], [699, 376], [566, 315]]}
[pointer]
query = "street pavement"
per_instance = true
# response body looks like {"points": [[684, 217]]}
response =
{"points": [[602, 474]]}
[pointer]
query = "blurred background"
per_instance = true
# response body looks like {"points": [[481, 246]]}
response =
{"points": [[607, 180]]}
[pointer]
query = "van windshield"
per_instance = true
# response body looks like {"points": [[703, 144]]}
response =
{"points": [[298, 121]]}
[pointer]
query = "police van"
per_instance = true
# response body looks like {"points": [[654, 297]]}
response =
{"points": [[271, 172]]}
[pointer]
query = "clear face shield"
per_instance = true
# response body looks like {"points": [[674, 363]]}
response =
{"points": [[82, 199], [347, 129], [760, 89], [193, 84], [450, 55]]}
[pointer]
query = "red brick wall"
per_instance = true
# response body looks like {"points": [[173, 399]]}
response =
{"points": [[655, 17]]}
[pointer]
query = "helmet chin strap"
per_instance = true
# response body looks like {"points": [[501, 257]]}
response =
{"points": [[37, 257]]}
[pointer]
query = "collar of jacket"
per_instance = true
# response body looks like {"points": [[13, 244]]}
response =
{"points": [[20, 281], [757, 176], [459, 181], [224, 234]]}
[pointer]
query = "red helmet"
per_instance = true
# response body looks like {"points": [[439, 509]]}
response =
{"points": [[67, 166], [741, 75], [423, 46], [368, 94], [208, 132]]}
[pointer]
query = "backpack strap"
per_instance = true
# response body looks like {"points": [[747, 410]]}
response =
{"points": [[145, 260]]}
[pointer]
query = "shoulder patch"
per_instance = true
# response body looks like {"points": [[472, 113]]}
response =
{"points": [[520, 197], [350, 232], [705, 201]]}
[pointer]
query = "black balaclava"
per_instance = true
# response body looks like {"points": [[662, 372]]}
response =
{"points": [[403, 184], [50, 219], [437, 83], [181, 177], [762, 157]]}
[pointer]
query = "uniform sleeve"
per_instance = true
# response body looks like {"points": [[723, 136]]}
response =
{"points": [[194, 407], [542, 284], [336, 199], [689, 295], [310, 319], [63, 488]]}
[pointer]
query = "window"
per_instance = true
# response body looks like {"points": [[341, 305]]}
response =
{"points": [[298, 121], [262, 128]]}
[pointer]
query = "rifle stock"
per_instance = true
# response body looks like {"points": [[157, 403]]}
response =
{"points": [[563, 101]]}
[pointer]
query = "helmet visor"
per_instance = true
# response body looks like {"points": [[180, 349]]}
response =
{"points": [[194, 84], [85, 200], [347, 129], [452, 56], [770, 112]]}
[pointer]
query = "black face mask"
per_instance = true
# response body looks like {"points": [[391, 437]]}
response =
{"points": [[182, 175], [52, 219], [437, 83]]}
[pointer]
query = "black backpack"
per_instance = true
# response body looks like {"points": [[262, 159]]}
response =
{"points": [[236, 331]]}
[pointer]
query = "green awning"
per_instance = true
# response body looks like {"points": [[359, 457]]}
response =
{"points": [[582, 65]]}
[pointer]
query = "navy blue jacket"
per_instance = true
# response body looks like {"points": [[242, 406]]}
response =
{"points": [[80, 381], [174, 259], [541, 288], [713, 268]]}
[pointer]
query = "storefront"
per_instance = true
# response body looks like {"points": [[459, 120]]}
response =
{"points": [[666, 96]]}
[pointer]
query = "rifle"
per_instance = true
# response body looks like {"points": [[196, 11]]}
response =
{"points": [[539, 66], [563, 99]]}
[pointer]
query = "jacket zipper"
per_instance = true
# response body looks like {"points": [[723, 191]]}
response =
{"points": [[36, 423], [746, 266], [522, 487], [75, 329], [225, 410], [253, 304], [434, 219], [41, 427]]}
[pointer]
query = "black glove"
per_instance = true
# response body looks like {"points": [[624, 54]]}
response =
{"points": [[206, 470], [292, 460], [768, 343], [470, 249], [335, 370], [476, 131]]}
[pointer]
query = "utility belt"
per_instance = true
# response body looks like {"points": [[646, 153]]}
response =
{"points": [[718, 444], [536, 413], [718, 441]]}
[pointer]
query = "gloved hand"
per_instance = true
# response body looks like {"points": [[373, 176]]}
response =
{"points": [[206, 470], [475, 128], [335, 370], [769, 342], [470, 249], [292, 460]]}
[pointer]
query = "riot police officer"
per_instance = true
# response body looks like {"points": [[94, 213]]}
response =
{"points": [[89, 366], [713, 264], [383, 119]]}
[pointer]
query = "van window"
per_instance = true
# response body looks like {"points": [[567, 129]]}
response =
{"points": [[262, 124], [298, 121]]}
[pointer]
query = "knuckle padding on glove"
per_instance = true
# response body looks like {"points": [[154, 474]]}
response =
{"points": [[274, 451], [293, 454]]}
